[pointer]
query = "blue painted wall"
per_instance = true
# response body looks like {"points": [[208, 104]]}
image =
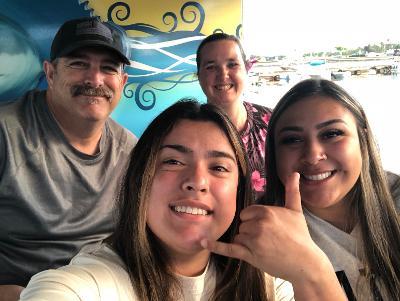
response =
{"points": [[163, 37]]}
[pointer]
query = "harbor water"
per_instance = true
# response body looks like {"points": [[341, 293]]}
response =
{"points": [[378, 94]]}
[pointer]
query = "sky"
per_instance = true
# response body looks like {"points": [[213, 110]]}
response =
{"points": [[297, 26]]}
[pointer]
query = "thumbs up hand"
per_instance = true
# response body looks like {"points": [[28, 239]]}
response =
{"points": [[273, 239], [276, 240]]}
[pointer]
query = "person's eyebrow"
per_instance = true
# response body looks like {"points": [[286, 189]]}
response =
{"points": [[318, 126], [291, 128], [110, 61], [329, 122], [209, 62], [221, 154], [211, 154], [178, 147]]}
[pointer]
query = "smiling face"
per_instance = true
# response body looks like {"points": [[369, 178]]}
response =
{"points": [[86, 86], [222, 72], [193, 195], [318, 138]]}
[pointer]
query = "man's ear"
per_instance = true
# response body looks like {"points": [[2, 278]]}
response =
{"points": [[124, 78], [49, 70]]}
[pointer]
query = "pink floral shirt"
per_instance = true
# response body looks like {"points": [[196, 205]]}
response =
{"points": [[253, 137]]}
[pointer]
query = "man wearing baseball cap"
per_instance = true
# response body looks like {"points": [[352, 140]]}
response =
{"points": [[61, 156]]}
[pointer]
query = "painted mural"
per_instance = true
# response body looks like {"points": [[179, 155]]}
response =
{"points": [[162, 36]]}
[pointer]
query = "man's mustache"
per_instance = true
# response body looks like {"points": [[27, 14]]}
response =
{"points": [[91, 91]]}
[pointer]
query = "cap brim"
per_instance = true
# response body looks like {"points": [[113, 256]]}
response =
{"points": [[94, 43]]}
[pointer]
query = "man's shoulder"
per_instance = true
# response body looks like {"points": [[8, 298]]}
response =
{"points": [[120, 133], [9, 108]]}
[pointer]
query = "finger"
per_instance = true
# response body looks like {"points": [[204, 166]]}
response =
{"points": [[253, 227], [292, 193], [226, 249], [243, 240], [252, 212]]}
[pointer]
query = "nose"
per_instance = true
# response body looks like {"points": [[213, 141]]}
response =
{"points": [[94, 77], [222, 72], [196, 180], [313, 153]]}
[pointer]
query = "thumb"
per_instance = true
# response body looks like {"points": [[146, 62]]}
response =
{"points": [[292, 192]]}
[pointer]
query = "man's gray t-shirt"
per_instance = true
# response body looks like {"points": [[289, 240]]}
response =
{"points": [[53, 198]]}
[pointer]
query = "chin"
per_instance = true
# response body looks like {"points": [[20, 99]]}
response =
{"points": [[320, 202], [192, 245]]}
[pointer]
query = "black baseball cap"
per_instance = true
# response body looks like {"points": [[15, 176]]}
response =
{"points": [[90, 32]]}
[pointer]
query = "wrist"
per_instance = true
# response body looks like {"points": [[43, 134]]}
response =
{"points": [[318, 282]]}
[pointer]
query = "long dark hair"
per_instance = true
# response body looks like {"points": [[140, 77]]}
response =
{"points": [[147, 264], [371, 202]]}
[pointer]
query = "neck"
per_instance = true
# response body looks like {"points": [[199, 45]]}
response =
{"points": [[191, 265], [338, 215], [237, 114], [87, 144], [83, 135]]}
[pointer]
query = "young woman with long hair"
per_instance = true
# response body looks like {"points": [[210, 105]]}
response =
{"points": [[318, 130]]}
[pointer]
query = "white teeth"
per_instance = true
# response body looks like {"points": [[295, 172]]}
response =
{"points": [[318, 177], [224, 87], [190, 210]]}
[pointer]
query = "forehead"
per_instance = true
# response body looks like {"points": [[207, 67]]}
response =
{"points": [[314, 110], [199, 136], [221, 49]]}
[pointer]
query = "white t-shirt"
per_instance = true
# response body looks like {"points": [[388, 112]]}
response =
{"points": [[344, 250], [98, 274]]}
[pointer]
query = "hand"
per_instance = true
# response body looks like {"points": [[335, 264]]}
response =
{"points": [[10, 292], [271, 238], [277, 241]]}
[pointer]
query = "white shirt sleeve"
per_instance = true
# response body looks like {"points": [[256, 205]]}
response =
{"points": [[283, 290], [88, 277], [67, 283]]}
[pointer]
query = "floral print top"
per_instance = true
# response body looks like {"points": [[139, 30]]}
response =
{"points": [[253, 137]]}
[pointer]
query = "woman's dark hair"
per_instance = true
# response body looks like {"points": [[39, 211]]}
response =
{"points": [[144, 256], [219, 36], [371, 202]]}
